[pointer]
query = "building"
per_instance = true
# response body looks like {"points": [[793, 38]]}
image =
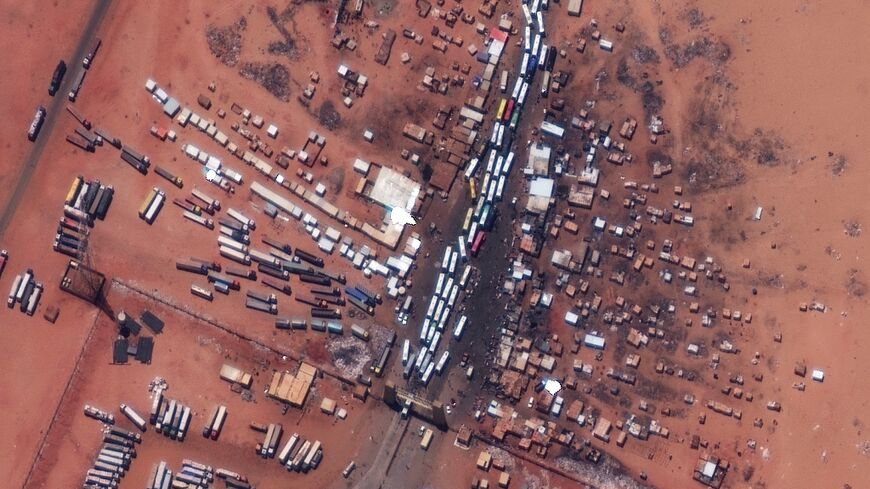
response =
{"points": [[539, 160]]}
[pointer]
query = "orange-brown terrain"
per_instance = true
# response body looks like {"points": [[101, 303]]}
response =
{"points": [[761, 105]]}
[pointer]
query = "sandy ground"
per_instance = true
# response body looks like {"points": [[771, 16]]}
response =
{"points": [[761, 123]]}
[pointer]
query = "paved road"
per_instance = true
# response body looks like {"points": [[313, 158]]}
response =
{"points": [[54, 109], [375, 477]]}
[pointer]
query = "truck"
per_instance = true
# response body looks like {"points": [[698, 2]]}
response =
{"points": [[89, 57], [57, 77], [163, 172], [133, 416], [36, 123], [76, 85], [360, 332]]}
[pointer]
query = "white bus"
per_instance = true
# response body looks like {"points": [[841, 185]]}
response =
{"points": [[460, 327], [406, 351], [527, 14], [466, 274], [463, 249], [471, 169], [499, 191], [506, 167], [442, 362]]}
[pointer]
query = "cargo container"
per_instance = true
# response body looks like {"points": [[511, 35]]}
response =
{"points": [[36, 123], [288, 448], [146, 203], [105, 201], [154, 208], [57, 77], [218, 424], [361, 305]]}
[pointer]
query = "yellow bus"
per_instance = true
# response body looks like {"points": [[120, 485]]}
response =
{"points": [[468, 216], [472, 188], [501, 106]]}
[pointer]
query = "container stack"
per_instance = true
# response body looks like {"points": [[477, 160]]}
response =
{"points": [[85, 201], [26, 292], [113, 459], [170, 416]]}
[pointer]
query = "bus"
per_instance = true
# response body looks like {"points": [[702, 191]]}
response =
{"points": [[454, 293], [527, 14], [466, 274], [506, 168], [442, 362], [468, 216], [472, 233], [523, 92], [424, 331], [501, 106], [508, 110], [494, 136], [490, 161], [463, 250], [478, 242], [527, 39], [515, 119], [517, 86], [406, 352], [472, 189], [499, 190], [524, 66], [460, 326], [472, 166]]}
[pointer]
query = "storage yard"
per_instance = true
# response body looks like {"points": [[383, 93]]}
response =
{"points": [[411, 244]]}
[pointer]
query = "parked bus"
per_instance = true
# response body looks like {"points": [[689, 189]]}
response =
{"points": [[460, 327], [501, 106], [478, 242], [468, 216], [472, 166]]}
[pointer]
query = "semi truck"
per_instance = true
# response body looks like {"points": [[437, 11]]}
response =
{"points": [[36, 123], [76, 85], [92, 52], [57, 77]]}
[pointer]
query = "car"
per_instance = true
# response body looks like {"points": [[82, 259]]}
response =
{"points": [[531, 402]]}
